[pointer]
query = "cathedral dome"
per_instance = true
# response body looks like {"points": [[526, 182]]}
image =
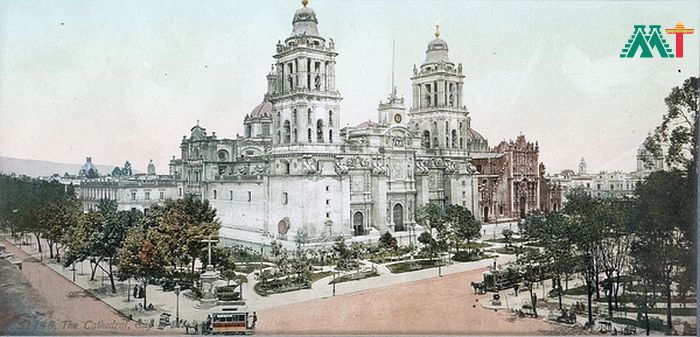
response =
{"points": [[305, 21], [88, 169], [437, 50], [263, 110], [473, 136]]}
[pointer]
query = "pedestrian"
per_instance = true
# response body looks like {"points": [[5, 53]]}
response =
{"points": [[516, 289], [255, 319], [136, 291]]}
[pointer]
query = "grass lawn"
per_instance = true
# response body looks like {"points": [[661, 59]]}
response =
{"points": [[511, 250], [578, 291], [463, 256], [662, 311], [248, 268], [317, 276], [408, 266], [355, 276], [479, 245], [654, 324], [286, 285], [385, 259], [503, 240]]}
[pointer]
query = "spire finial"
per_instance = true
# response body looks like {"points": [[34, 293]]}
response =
{"points": [[304, 2], [437, 30]]}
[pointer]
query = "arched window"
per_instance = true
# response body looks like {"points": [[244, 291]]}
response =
{"points": [[461, 143], [294, 117], [309, 139], [308, 116], [426, 139], [330, 135], [285, 167], [319, 131], [279, 137], [296, 139], [435, 142], [248, 131], [454, 138], [330, 118], [287, 131], [214, 194]]}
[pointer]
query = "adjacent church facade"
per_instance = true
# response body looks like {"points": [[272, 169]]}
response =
{"points": [[296, 169]]}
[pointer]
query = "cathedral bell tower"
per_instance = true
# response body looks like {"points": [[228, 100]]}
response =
{"points": [[301, 86], [438, 114]]}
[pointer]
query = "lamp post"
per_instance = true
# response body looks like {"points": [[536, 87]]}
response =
{"points": [[177, 306], [73, 272], [128, 290], [334, 283]]}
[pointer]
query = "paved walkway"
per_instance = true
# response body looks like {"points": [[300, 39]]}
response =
{"points": [[71, 310]]}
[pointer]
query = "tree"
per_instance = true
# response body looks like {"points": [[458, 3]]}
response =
{"points": [[664, 222], [222, 258], [180, 226], [141, 258], [63, 215], [553, 235], [583, 213], [99, 236], [674, 139], [430, 246], [462, 225], [508, 236], [614, 248], [387, 241], [429, 216]]}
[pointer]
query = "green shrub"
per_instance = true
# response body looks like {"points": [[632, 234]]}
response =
{"points": [[229, 296]]}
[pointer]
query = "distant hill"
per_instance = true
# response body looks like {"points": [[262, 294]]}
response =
{"points": [[35, 168]]}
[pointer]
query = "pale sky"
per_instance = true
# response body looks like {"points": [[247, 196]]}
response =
{"points": [[126, 80]]}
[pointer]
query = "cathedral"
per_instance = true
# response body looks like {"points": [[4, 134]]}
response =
{"points": [[295, 169]]}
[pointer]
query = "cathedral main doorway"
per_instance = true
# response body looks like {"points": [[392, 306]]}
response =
{"points": [[522, 207], [398, 218], [486, 214], [358, 224]]}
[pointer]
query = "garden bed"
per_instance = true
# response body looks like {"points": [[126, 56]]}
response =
{"points": [[408, 266], [285, 285], [464, 256], [355, 276]]}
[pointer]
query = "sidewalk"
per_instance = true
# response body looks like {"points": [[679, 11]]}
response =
{"points": [[166, 301]]}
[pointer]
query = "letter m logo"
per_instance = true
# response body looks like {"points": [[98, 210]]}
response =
{"points": [[646, 41]]}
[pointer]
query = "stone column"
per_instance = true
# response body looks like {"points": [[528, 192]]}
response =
{"points": [[331, 76], [302, 73]]}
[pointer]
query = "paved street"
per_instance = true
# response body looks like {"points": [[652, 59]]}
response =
{"points": [[70, 309], [436, 305]]}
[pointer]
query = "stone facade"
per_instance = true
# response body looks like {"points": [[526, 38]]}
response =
{"points": [[616, 184], [295, 169], [131, 192]]}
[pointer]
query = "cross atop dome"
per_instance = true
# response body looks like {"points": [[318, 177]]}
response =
{"points": [[437, 30]]}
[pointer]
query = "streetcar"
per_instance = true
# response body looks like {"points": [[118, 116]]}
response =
{"points": [[232, 320]]}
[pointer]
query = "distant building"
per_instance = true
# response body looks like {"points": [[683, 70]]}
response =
{"points": [[133, 192], [614, 184]]}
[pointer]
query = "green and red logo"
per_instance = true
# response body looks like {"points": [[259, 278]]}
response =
{"points": [[645, 40]]}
